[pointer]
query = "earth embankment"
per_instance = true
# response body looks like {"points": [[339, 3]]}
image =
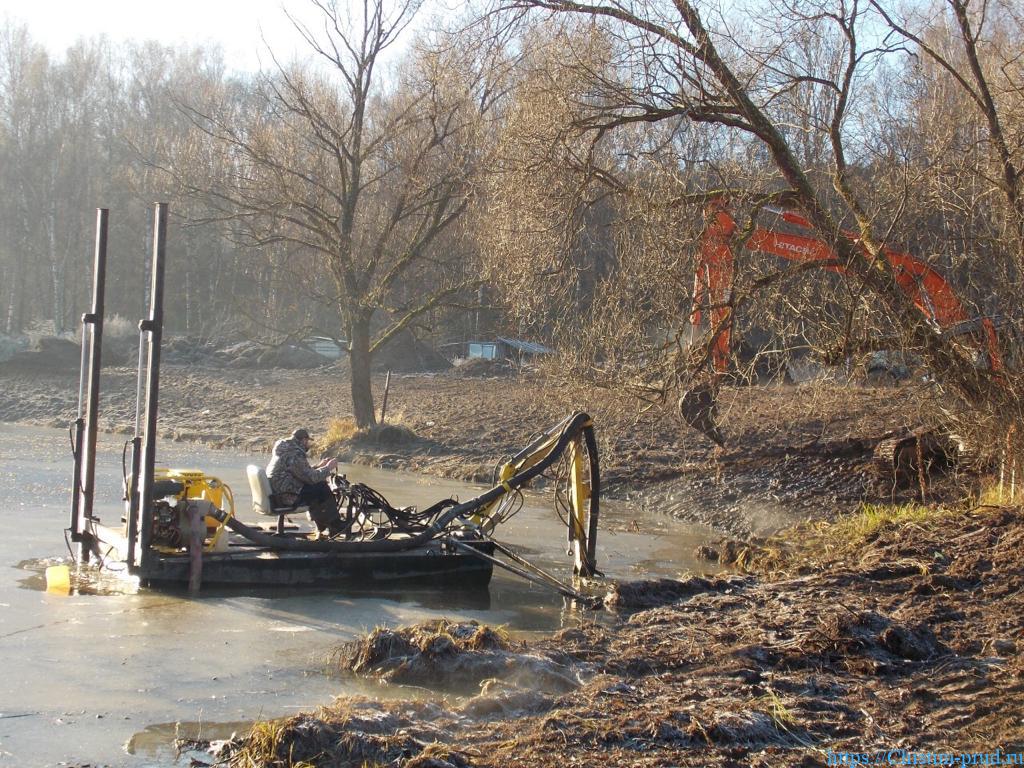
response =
{"points": [[902, 642]]}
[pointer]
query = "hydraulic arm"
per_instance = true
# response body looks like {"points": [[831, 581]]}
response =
{"points": [[714, 275], [713, 283]]}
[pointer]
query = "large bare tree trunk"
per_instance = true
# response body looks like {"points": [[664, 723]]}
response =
{"points": [[359, 363]]}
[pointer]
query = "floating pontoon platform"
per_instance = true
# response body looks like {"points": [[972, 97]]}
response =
{"points": [[434, 563]]}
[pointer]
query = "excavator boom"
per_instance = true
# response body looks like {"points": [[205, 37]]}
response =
{"points": [[928, 289], [713, 281]]}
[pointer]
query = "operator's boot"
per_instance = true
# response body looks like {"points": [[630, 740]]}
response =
{"points": [[326, 519]]}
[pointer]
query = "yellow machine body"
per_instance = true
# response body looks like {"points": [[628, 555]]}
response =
{"points": [[199, 485]]}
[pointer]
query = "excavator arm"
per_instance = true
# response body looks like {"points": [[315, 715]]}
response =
{"points": [[575, 438], [928, 289], [713, 282]]}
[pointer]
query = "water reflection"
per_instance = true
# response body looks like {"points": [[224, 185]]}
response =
{"points": [[85, 578]]}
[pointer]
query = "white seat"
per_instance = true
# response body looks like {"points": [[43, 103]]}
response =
{"points": [[262, 501]]}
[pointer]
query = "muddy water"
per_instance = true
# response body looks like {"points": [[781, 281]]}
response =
{"points": [[110, 675]]}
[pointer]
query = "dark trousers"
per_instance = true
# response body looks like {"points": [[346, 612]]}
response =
{"points": [[323, 509]]}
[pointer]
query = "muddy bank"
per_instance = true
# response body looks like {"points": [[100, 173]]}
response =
{"points": [[793, 452], [910, 640]]}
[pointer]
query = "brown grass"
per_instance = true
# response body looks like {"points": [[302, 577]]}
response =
{"points": [[338, 431], [811, 546]]}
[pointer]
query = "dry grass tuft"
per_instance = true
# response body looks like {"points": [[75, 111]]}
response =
{"points": [[1008, 493], [871, 519], [338, 431], [809, 546], [773, 705], [489, 639], [266, 745], [354, 732], [344, 433], [387, 436]]}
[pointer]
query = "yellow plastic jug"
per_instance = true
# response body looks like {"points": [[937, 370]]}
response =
{"points": [[58, 579]]}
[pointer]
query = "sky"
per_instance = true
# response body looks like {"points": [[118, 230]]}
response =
{"points": [[238, 26]]}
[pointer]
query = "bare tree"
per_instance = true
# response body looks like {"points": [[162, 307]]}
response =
{"points": [[680, 62], [53, 172], [23, 68], [963, 39], [357, 175]]}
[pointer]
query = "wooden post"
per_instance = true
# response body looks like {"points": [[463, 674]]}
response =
{"points": [[384, 402]]}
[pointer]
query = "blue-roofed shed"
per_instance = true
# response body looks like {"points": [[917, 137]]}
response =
{"points": [[503, 348]]}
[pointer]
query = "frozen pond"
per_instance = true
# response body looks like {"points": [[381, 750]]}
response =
{"points": [[103, 678]]}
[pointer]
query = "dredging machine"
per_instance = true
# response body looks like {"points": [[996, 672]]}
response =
{"points": [[180, 527]]}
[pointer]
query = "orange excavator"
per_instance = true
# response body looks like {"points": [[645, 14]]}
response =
{"points": [[713, 282]]}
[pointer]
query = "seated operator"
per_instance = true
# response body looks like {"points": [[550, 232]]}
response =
{"points": [[293, 482]]}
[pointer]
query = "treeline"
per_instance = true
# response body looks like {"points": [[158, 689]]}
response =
{"points": [[75, 134], [543, 164]]}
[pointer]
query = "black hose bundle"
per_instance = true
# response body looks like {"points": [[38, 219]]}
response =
{"points": [[368, 515]]}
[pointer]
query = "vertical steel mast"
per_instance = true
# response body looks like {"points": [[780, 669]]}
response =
{"points": [[85, 427], [139, 550]]}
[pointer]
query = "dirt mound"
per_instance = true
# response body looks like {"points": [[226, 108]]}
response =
{"points": [[11, 345], [47, 353], [290, 356], [738, 553], [451, 656], [120, 350], [360, 734], [389, 436], [479, 368], [629, 596], [882, 640], [192, 351], [406, 354], [505, 703], [250, 354]]}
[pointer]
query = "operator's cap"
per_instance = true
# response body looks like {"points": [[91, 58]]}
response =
{"points": [[300, 434]]}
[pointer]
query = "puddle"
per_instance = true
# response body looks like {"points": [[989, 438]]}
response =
{"points": [[87, 579], [183, 743]]}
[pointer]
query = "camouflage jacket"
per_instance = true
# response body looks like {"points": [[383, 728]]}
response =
{"points": [[289, 470]]}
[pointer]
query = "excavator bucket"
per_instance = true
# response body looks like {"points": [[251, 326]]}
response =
{"points": [[699, 408]]}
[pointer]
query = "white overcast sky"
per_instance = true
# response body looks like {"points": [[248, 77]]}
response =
{"points": [[237, 25]]}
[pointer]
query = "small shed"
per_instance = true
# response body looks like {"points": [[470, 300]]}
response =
{"points": [[502, 348], [332, 349]]}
